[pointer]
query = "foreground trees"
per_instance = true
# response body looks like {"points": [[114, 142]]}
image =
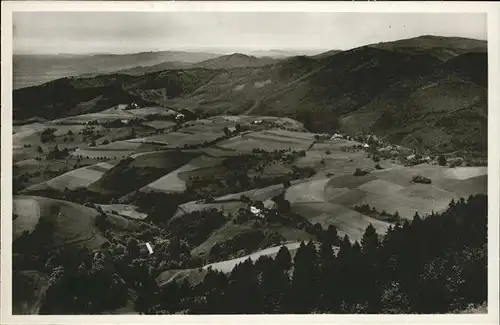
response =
{"points": [[435, 264], [432, 265]]}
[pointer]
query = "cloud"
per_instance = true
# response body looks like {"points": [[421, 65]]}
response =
{"points": [[83, 32]]}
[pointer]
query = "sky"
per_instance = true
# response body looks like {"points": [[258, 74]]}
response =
{"points": [[225, 32]]}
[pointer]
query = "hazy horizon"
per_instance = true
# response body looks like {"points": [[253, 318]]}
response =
{"points": [[227, 32]]}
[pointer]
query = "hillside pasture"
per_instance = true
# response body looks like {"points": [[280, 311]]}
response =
{"points": [[310, 191], [26, 212], [347, 221], [114, 150], [194, 276], [225, 207], [261, 194], [232, 202], [394, 191], [124, 210], [217, 152], [170, 183], [78, 178], [175, 181], [269, 141], [228, 265], [229, 230], [73, 223], [463, 173], [179, 139], [153, 110], [27, 127], [100, 117], [159, 125]]}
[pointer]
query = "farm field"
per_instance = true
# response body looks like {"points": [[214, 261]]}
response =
{"points": [[101, 117], [176, 180], [347, 221], [180, 139], [78, 178], [269, 141], [153, 110], [124, 210], [159, 125], [388, 190], [225, 207], [114, 150], [27, 127]]}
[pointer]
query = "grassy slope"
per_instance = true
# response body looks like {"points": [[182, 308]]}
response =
{"points": [[74, 223]]}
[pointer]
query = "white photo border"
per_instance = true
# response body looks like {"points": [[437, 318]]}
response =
{"points": [[491, 9]]}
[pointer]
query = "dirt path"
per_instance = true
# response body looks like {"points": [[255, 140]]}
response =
{"points": [[254, 106]]}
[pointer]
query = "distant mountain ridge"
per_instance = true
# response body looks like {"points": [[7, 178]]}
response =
{"points": [[407, 91], [442, 48], [235, 60], [30, 70]]}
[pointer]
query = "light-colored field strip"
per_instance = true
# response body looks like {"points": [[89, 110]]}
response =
{"points": [[125, 210], [381, 187], [463, 173], [170, 182], [227, 266], [28, 212], [312, 191], [78, 178]]}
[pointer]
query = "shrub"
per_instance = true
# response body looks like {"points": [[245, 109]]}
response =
{"points": [[377, 166], [360, 172], [442, 160], [421, 179]]}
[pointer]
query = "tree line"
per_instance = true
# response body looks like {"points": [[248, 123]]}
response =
{"points": [[435, 264]]}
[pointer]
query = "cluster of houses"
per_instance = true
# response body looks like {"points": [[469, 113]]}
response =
{"points": [[132, 105], [259, 211]]}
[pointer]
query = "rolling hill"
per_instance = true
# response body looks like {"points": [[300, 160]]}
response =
{"points": [[442, 48], [135, 200], [31, 70], [235, 60], [402, 90]]}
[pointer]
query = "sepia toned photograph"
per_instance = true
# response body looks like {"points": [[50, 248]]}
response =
{"points": [[246, 162]]}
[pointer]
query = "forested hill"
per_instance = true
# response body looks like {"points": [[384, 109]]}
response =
{"points": [[420, 92]]}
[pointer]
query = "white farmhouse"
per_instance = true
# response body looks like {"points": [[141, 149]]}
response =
{"points": [[257, 212]]}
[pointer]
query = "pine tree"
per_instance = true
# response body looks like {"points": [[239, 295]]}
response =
{"points": [[370, 268], [243, 279], [328, 277], [370, 242], [284, 259], [304, 284], [273, 286], [332, 235]]}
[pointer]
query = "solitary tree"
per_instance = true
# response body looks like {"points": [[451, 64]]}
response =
{"points": [[442, 160]]}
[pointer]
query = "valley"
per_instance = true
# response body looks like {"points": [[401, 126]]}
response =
{"points": [[221, 159]]}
